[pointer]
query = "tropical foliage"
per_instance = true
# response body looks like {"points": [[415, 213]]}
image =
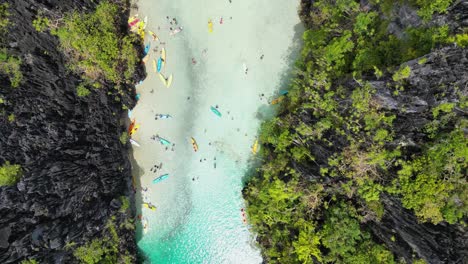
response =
{"points": [[95, 47], [329, 155], [9, 174]]}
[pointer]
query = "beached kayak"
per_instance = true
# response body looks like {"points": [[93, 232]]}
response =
{"points": [[145, 59], [161, 178], [159, 64], [283, 92], [154, 66], [145, 22], [277, 100], [163, 56], [134, 142], [153, 35], [194, 144], [255, 147], [147, 48], [134, 129], [129, 113], [163, 79], [210, 26], [214, 110], [169, 81], [132, 125]]}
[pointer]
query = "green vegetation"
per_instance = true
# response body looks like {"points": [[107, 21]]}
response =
{"points": [[9, 65], [4, 20], [124, 138], [125, 204], [94, 46], [330, 153], [41, 23], [103, 250], [434, 184], [11, 118], [9, 174], [429, 7], [82, 91], [29, 261]]}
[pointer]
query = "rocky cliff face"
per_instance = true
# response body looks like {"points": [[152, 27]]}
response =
{"points": [[74, 166]]}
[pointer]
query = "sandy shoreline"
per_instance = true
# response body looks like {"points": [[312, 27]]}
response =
{"points": [[199, 204]]}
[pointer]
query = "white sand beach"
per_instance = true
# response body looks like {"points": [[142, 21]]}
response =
{"points": [[198, 217]]}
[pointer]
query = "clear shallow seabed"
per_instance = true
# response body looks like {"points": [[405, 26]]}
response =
{"points": [[200, 221]]}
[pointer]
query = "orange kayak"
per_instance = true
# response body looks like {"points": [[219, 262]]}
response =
{"points": [[132, 125]]}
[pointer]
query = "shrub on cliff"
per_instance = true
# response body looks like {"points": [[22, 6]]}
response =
{"points": [[94, 46], [9, 174]]}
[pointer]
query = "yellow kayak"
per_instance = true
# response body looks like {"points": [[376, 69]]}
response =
{"points": [[163, 79], [194, 144], [255, 147], [134, 129], [169, 81], [154, 66], [163, 56], [210, 26], [153, 35], [149, 206], [277, 100]]}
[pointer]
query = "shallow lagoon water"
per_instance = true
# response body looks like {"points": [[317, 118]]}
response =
{"points": [[200, 221]]}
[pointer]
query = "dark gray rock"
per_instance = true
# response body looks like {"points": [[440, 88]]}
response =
{"points": [[68, 147]]}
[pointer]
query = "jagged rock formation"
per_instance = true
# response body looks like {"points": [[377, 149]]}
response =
{"points": [[331, 191], [75, 167]]}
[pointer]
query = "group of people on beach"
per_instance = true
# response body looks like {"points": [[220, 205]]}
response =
{"points": [[175, 28]]}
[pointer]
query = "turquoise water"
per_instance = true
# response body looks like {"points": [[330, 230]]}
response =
{"points": [[198, 217]]}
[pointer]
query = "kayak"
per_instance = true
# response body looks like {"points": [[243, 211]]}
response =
{"points": [[145, 59], [210, 26], [214, 110], [255, 147], [137, 97], [164, 116], [129, 113], [147, 48], [161, 178], [159, 64], [277, 100], [133, 21], [169, 81], [145, 22], [283, 92], [134, 142], [154, 66], [175, 31], [163, 79], [163, 141], [132, 125], [194, 144], [153, 35], [163, 56], [149, 206], [135, 128]]}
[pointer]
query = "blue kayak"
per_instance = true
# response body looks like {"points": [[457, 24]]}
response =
{"points": [[159, 64], [147, 47], [214, 110], [161, 178], [164, 141], [283, 92]]}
